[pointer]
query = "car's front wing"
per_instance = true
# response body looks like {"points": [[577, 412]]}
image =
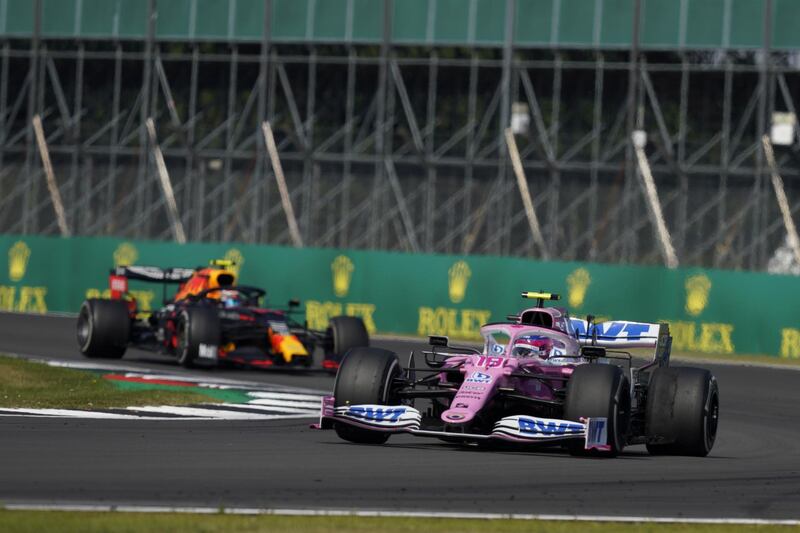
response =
{"points": [[516, 428]]}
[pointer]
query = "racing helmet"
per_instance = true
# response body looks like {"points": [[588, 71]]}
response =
{"points": [[230, 298], [533, 345]]}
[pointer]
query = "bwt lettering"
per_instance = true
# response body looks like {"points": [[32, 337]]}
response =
{"points": [[527, 425], [377, 415]]}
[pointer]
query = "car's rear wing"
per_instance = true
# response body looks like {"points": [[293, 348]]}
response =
{"points": [[119, 277], [154, 274], [624, 334]]}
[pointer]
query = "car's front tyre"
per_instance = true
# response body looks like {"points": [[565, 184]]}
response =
{"points": [[599, 391], [365, 377], [347, 332]]}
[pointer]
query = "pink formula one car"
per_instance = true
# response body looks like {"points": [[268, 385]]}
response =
{"points": [[541, 378]]}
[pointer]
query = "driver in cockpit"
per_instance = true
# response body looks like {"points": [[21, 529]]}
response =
{"points": [[230, 298], [533, 346]]}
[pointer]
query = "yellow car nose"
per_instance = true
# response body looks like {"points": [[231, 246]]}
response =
{"points": [[290, 348]]}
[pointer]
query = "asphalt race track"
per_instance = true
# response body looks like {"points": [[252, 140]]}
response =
{"points": [[753, 471]]}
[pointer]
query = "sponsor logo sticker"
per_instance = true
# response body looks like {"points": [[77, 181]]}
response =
{"points": [[548, 427], [469, 396], [597, 434], [207, 351], [389, 414], [279, 328], [119, 283], [479, 377]]}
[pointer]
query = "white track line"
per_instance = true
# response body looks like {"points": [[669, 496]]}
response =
{"points": [[213, 413], [391, 514], [71, 413], [216, 383], [135, 371], [285, 403], [285, 396], [271, 409], [167, 418]]}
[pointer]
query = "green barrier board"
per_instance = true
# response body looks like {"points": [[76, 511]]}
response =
{"points": [[709, 311], [603, 24]]}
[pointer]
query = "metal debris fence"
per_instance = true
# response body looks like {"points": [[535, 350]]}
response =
{"points": [[389, 119]]}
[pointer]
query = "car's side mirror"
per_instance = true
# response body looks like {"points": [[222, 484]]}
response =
{"points": [[593, 352], [438, 340]]}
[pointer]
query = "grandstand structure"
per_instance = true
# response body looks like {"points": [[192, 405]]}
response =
{"points": [[389, 119]]}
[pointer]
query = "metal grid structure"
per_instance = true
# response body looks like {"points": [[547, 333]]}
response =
{"points": [[399, 146]]}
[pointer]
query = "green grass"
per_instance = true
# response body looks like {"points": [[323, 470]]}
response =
{"points": [[88, 522], [37, 385]]}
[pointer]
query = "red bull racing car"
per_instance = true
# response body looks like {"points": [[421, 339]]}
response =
{"points": [[209, 320]]}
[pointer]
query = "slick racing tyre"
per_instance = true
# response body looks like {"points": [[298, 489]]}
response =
{"points": [[103, 328], [197, 329], [347, 332], [365, 377], [682, 411], [599, 391]]}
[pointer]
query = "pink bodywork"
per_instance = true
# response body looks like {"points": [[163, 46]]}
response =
{"points": [[484, 374]]}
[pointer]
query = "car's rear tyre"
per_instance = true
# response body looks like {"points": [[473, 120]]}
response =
{"points": [[196, 326], [682, 411], [104, 328], [365, 377], [599, 391], [347, 332]]}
